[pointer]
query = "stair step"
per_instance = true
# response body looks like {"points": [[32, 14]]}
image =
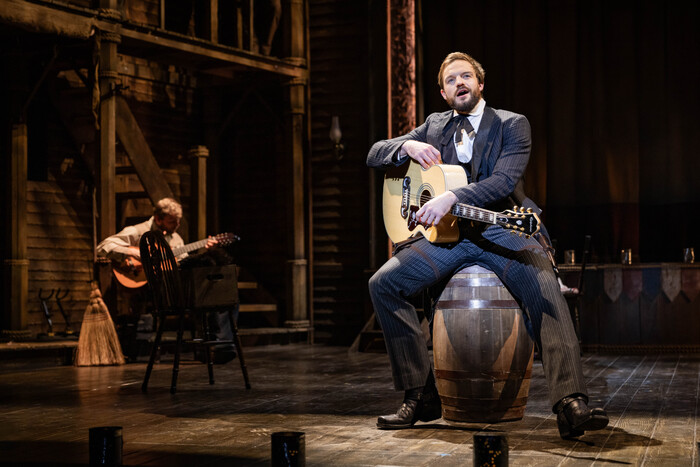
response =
{"points": [[248, 308], [323, 322], [124, 195], [268, 331], [124, 170]]}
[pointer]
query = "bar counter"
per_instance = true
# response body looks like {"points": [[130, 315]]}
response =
{"points": [[638, 307]]}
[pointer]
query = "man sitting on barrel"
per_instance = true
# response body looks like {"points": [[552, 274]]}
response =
{"points": [[493, 148]]}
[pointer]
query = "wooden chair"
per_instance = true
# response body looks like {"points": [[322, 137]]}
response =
{"points": [[165, 284]]}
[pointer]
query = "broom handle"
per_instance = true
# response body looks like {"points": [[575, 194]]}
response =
{"points": [[94, 226]]}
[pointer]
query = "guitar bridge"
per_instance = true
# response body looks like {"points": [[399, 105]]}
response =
{"points": [[405, 196]]}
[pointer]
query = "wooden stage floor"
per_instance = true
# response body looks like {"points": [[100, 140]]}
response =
{"points": [[334, 398]]}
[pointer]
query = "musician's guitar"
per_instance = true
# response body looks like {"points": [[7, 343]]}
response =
{"points": [[130, 272], [408, 187]]}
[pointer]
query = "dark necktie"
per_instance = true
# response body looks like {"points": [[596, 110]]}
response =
{"points": [[462, 124]]}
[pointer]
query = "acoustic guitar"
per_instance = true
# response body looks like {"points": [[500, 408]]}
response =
{"points": [[130, 272], [409, 186]]}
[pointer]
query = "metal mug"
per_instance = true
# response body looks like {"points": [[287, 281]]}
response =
{"points": [[569, 256], [626, 256]]}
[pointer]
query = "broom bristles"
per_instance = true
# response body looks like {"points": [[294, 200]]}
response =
{"points": [[98, 343]]}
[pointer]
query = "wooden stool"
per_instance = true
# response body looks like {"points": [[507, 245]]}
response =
{"points": [[483, 353]]}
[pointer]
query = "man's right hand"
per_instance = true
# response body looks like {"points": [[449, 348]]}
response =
{"points": [[423, 153]]}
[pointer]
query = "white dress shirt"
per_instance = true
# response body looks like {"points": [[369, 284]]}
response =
{"points": [[466, 147]]}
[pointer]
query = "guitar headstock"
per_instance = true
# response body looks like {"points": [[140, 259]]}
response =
{"points": [[226, 238], [520, 220]]}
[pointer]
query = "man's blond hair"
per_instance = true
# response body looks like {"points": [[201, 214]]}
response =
{"points": [[453, 57], [168, 207]]}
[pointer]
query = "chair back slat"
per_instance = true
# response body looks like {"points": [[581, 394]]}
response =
{"points": [[162, 272]]}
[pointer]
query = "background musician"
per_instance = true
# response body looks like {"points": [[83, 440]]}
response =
{"points": [[134, 321]]}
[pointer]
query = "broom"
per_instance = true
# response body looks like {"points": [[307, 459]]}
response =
{"points": [[98, 343]]}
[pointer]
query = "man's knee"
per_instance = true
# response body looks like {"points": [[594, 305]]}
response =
{"points": [[377, 284]]}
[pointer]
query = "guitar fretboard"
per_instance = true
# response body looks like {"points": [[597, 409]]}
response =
{"points": [[189, 247], [472, 213]]}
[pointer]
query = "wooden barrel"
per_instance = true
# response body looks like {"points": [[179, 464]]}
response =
{"points": [[483, 353]]}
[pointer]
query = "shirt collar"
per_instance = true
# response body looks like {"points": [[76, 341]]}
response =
{"points": [[477, 111], [475, 115]]}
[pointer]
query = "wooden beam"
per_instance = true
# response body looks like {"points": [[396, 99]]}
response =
{"points": [[206, 56], [79, 23], [72, 21], [140, 154]]}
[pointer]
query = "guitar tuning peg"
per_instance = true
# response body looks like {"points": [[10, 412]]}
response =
{"points": [[520, 234], [529, 209], [515, 208], [522, 229]]}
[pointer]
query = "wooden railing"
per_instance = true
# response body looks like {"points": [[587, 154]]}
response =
{"points": [[205, 20]]}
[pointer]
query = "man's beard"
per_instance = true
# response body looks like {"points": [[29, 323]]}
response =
{"points": [[466, 106]]}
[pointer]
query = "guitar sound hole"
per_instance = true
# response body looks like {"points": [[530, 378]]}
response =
{"points": [[425, 196]]}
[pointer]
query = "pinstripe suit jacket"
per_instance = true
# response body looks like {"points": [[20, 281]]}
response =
{"points": [[500, 156]]}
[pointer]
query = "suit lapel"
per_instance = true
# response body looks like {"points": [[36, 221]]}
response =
{"points": [[482, 142], [442, 135]]}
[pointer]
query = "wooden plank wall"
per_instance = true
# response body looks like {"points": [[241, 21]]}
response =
{"points": [[339, 86], [59, 226]]}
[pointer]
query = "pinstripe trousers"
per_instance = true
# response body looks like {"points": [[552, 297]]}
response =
{"points": [[522, 266]]}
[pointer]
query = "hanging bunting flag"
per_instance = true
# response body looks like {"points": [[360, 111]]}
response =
{"points": [[612, 283], [670, 281]]}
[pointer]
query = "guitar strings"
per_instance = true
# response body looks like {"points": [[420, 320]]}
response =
{"points": [[424, 198]]}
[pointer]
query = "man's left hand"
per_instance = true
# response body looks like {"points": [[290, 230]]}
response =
{"points": [[211, 241], [434, 210]]}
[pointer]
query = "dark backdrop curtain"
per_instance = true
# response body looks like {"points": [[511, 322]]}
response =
{"points": [[611, 91]]}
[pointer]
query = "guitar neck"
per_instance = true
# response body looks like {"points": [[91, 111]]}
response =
{"points": [[475, 214], [189, 247]]}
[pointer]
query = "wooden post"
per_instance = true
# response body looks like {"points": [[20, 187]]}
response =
{"points": [[161, 14], [212, 25], [17, 265], [297, 264], [211, 119], [108, 76], [198, 203], [294, 30]]}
